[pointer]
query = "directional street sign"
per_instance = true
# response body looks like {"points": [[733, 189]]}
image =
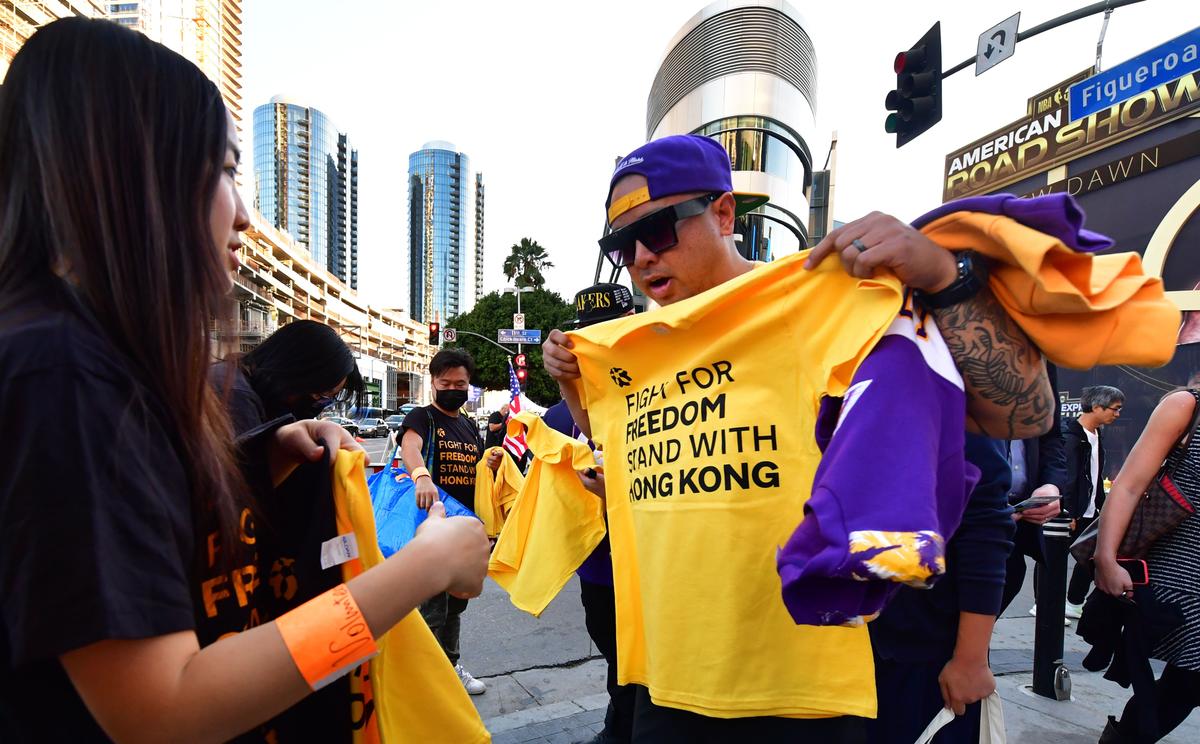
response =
{"points": [[996, 44], [519, 321], [516, 336], [1162, 64], [449, 335]]}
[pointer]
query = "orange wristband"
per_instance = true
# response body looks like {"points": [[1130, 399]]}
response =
{"points": [[327, 636], [421, 471]]}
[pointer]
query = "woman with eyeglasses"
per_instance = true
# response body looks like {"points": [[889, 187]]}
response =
{"points": [[1083, 495], [1172, 570], [119, 228], [301, 369]]}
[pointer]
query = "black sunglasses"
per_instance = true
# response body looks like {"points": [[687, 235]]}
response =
{"points": [[656, 230]]}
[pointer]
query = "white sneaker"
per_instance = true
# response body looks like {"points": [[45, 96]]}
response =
{"points": [[472, 685], [1074, 610], [1033, 611]]}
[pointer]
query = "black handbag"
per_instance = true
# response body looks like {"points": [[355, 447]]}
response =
{"points": [[1161, 509]]}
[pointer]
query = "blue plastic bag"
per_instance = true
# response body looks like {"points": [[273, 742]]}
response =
{"points": [[397, 516]]}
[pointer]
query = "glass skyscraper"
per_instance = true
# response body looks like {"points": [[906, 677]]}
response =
{"points": [[306, 183], [445, 233]]}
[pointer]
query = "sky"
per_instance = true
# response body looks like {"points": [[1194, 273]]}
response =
{"points": [[543, 95]]}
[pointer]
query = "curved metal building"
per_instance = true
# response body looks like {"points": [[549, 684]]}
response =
{"points": [[745, 73]]}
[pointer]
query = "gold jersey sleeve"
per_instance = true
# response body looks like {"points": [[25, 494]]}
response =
{"points": [[1081, 309]]}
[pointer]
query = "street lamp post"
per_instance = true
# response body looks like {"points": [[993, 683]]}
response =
{"points": [[518, 291]]}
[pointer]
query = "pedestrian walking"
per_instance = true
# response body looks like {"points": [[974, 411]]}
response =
{"points": [[1173, 570], [1083, 493], [496, 424], [1039, 470]]}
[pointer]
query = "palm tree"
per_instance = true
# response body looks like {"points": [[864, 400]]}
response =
{"points": [[525, 263]]}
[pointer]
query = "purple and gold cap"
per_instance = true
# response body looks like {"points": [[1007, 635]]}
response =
{"points": [[678, 164]]}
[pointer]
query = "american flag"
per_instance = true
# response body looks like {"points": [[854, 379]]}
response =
{"points": [[516, 445]]}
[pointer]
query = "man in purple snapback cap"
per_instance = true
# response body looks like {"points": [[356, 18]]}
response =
{"points": [[672, 215]]}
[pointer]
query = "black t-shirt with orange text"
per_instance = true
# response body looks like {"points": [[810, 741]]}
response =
{"points": [[452, 454]]}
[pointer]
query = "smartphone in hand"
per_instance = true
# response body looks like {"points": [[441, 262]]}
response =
{"points": [[1033, 502], [1139, 572]]}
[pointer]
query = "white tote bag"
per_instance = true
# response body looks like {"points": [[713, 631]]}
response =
{"points": [[991, 722]]}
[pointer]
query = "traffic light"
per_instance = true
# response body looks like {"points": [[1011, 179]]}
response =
{"points": [[521, 372], [435, 334], [916, 102]]}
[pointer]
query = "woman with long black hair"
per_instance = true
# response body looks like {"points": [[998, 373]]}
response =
{"points": [[119, 222], [300, 369]]}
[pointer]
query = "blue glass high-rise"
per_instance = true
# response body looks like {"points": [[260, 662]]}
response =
{"points": [[445, 236], [306, 183]]}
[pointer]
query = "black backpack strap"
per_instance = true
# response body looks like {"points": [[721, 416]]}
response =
{"points": [[429, 446]]}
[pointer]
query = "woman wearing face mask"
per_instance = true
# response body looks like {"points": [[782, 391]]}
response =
{"points": [[119, 226], [440, 448], [300, 369]]}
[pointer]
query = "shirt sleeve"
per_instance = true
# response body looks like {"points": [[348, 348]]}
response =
{"points": [[890, 489], [417, 420], [1052, 447], [105, 524], [981, 544]]}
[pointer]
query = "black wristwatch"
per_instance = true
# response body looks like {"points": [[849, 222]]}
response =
{"points": [[972, 277]]}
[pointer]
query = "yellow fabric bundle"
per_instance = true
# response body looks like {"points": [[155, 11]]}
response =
{"points": [[555, 524], [1081, 309], [417, 696], [496, 492]]}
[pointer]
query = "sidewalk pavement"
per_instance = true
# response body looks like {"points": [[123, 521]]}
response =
{"points": [[565, 703]]}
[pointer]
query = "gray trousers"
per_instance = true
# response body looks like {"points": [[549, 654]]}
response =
{"points": [[443, 615]]}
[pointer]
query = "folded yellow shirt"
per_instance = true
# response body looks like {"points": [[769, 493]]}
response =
{"points": [[496, 492], [555, 524], [1081, 309], [416, 693]]}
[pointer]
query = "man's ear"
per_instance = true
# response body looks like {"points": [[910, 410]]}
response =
{"points": [[724, 208]]}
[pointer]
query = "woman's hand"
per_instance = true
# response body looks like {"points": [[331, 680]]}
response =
{"points": [[494, 457], [463, 550], [593, 482], [1112, 579], [427, 493], [300, 442]]}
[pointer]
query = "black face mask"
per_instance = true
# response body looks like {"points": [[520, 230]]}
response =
{"points": [[310, 409], [450, 400]]}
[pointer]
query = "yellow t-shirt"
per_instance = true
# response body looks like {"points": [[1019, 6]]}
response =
{"points": [[705, 410], [555, 524], [416, 695], [496, 492]]}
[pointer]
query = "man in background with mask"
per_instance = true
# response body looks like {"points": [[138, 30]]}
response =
{"points": [[440, 449]]}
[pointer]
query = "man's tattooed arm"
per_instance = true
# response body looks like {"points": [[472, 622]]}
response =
{"points": [[1008, 393]]}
